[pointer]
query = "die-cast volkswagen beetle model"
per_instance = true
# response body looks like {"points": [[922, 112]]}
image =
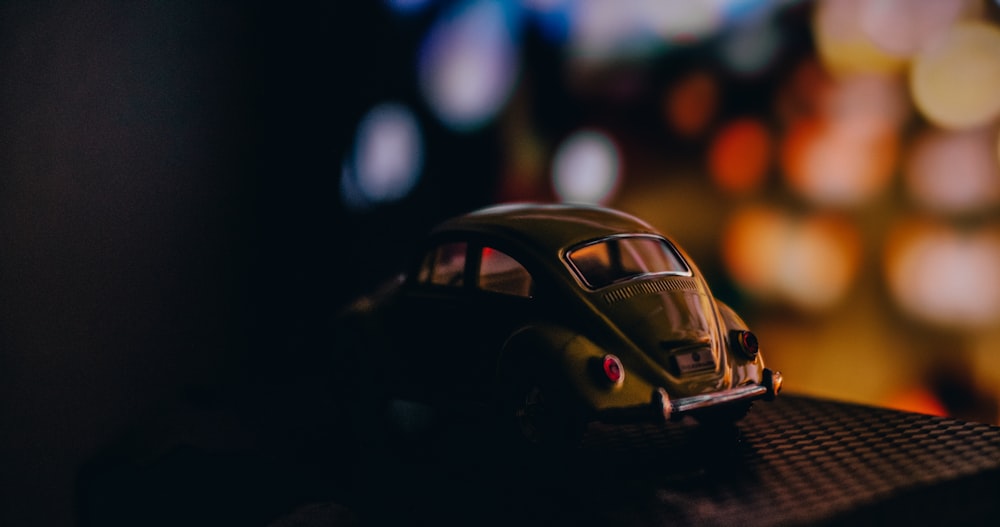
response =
{"points": [[552, 316]]}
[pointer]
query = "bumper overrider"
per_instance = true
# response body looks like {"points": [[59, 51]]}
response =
{"points": [[662, 407]]}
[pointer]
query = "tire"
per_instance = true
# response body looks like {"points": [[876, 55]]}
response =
{"points": [[539, 415]]}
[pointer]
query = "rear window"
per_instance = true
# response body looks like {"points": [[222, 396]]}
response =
{"points": [[618, 258]]}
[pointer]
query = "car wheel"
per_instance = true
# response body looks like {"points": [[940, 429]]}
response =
{"points": [[542, 417]]}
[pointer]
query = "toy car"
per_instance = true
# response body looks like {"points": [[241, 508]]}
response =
{"points": [[551, 316]]}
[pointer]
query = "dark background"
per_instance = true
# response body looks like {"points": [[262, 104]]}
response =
{"points": [[170, 232]]}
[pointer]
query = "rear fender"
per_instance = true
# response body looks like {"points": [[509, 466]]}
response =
{"points": [[573, 363], [743, 370]]}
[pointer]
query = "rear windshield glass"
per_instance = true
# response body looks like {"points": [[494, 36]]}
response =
{"points": [[611, 260]]}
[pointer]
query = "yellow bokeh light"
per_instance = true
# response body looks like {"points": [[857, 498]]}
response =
{"points": [[955, 80], [843, 44]]}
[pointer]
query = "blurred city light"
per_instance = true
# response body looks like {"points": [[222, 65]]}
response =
{"points": [[842, 42], [749, 48], [954, 171], [551, 16], [941, 275], [586, 168], [956, 78], [690, 104], [902, 27], [846, 152], [740, 155], [407, 6], [830, 163], [807, 262], [387, 158], [682, 20], [752, 244], [469, 64]]}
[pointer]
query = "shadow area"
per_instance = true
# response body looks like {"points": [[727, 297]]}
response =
{"points": [[290, 457], [457, 474]]}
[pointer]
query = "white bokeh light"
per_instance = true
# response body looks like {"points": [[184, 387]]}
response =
{"points": [[942, 276], [468, 64], [387, 157], [750, 47], [586, 168], [954, 171], [902, 27]]}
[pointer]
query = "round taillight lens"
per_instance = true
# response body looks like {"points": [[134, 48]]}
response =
{"points": [[613, 369], [748, 343]]}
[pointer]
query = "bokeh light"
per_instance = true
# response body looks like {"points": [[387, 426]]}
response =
{"points": [[804, 94], [902, 27], [387, 158], [809, 262], [740, 155], [553, 17], [944, 276], [682, 20], [844, 151], [869, 104], [586, 168], [954, 171], [749, 48], [752, 245], [690, 104], [468, 63], [955, 79], [407, 7], [820, 261], [998, 147], [830, 163], [607, 30], [843, 44]]}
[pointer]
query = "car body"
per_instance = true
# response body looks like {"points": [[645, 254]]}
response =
{"points": [[554, 316]]}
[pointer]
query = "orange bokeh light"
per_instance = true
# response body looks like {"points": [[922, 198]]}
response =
{"points": [[809, 262], [837, 163], [740, 155], [805, 92], [751, 249], [690, 104]]}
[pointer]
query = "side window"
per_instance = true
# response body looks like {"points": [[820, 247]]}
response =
{"points": [[500, 273], [444, 265]]}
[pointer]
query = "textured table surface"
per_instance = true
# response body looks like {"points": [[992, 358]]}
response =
{"points": [[795, 461]]}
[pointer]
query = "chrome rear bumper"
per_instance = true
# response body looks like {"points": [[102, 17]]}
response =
{"points": [[665, 408], [676, 408]]}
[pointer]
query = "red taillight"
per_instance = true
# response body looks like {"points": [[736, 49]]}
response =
{"points": [[613, 369], [747, 343]]}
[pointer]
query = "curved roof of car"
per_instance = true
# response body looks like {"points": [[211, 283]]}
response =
{"points": [[554, 226]]}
